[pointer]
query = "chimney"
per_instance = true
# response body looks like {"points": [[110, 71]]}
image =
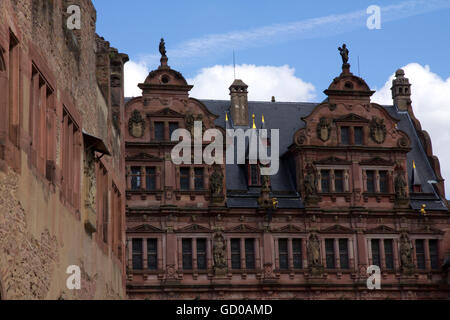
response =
{"points": [[401, 91], [239, 103]]}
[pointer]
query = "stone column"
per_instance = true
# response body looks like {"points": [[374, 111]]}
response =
{"points": [[194, 254], [382, 254], [337, 256], [395, 252], [304, 254], [427, 255], [290, 254]]}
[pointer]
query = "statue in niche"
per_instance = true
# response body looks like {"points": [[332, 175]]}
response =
{"points": [[310, 181], [344, 53], [91, 180], [406, 253], [216, 182], [314, 250], [219, 252], [400, 186]]}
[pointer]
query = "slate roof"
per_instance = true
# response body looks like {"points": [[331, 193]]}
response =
{"points": [[287, 117]]}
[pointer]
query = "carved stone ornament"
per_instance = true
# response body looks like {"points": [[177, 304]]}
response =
{"points": [[314, 251], [190, 122], [91, 180], [216, 182], [136, 125], [219, 252], [400, 186], [324, 129], [378, 130], [310, 181], [406, 258]]}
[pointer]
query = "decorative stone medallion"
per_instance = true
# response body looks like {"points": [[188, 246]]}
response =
{"points": [[136, 125], [378, 130], [324, 129]]}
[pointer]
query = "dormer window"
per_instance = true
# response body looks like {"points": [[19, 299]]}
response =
{"points": [[254, 175]]}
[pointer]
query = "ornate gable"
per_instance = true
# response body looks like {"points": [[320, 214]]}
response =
{"points": [[290, 229], [166, 113], [242, 228], [145, 228], [382, 230], [193, 228], [377, 161], [142, 157], [333, 161], [352, 118], [337, 229]]}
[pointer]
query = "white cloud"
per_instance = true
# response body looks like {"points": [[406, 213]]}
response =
{"points": [[431, 105], [135, 73], [263, 81]]}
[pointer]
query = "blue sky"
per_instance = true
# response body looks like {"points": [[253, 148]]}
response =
{"points": [[136, 26], [288, 49]]}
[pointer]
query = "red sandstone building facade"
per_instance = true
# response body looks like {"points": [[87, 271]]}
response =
{"points": [[88, 180], [358, 186]]}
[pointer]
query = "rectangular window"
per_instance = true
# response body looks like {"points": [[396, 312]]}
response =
{"points": [[150, 178], [370, 181], [152, 254], [359, 136], [135, 178], [297, 253], [434, 254], [330, 256], [236, 254], [376, 255], [70, 159], [159, 131], [199, 179], [13, 78], [389, 254], [187, 254], [137, 254], [420, 254], [325, 181], [283, 254], [343, 253], [201, 254], [339, 180], [384, 182], [250, 254], [254, 175], [345, 135], [105, 213], [172, 127], [184, 179]]}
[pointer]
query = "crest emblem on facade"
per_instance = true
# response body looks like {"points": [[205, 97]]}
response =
{"points": [[378, 130], [324, 129], [136, 125]]}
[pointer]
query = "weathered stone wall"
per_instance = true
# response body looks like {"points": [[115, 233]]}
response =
{"points": [[40, 234]]}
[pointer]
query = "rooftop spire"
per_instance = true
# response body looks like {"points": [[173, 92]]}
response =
{"points": [[254, 123]]}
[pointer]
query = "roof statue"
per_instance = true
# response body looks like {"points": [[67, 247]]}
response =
{"points": [[344, 53], [162, 48]]}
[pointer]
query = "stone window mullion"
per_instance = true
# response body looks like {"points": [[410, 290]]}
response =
{"points": [[290, 255], [427, 255]]}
